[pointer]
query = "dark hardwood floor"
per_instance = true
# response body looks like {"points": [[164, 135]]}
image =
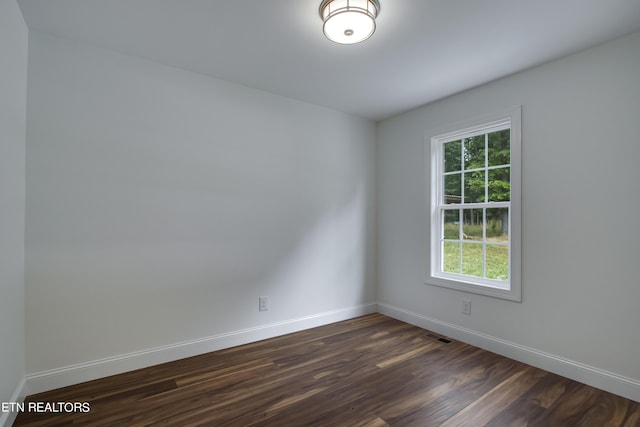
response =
{"points": [[371, 371]]}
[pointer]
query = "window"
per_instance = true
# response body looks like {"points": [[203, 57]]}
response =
{"points": [[475, 206]]}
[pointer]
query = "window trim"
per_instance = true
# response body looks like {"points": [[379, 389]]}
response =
{"points": [[433, 164]]}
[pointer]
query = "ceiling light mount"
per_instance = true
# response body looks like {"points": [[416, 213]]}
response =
{"points": [[349, 21]]}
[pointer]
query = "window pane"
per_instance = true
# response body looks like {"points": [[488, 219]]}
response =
{"points": [[498, 224], [472, 259], [452, 188], [474, 186], [474, 152], [498, 262], [452, 156], [451, 226], [499, 185], [472, 227], [499, 148], [451, 257]]}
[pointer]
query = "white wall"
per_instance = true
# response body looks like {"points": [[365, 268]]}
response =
{"points": [[161, 204], [581, 204], [13, 89]]}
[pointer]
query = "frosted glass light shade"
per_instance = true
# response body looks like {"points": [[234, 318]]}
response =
{"points": [[349, 21]]}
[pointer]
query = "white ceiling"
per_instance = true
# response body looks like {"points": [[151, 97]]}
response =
{"points": [[423, 50]]}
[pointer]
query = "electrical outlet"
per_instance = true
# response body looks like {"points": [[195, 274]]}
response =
{"points": [[263, 303], [466, 307]]}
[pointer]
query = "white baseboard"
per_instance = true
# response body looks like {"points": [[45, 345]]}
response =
{"points": [[7, 418], [62, 377], [604, 380]]}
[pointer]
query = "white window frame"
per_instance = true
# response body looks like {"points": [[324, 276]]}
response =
{"points": [[434, 143]]}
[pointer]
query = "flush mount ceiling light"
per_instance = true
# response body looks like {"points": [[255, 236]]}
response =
{"points": [[349, 21]]}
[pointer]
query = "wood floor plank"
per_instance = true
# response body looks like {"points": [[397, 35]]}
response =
{"points": [[633, 416], [487, 407], [531, 406], [372, 371]]}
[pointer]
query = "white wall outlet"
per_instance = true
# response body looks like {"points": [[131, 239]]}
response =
{"points": [[466, 307], [263, 303]]}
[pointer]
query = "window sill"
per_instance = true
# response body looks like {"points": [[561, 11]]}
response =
{"points": [[512, 294]]}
